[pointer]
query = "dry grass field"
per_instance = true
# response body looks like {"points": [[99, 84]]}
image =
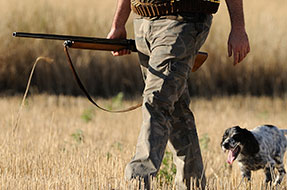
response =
{"points": [[63, 142], [263, 72]]}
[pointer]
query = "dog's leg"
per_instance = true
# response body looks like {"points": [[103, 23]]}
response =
{"points": [[246, 174], [246, 181], [282, 172], [268, 176]]}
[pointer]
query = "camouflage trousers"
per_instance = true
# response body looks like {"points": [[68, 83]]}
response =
{"points": [[167, 47]]}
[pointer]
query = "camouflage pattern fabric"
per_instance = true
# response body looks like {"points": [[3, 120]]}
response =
{"points": [[167, 47]]}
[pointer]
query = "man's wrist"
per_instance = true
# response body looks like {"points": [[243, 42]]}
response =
{"points": [[118, 26], [238, 28]]}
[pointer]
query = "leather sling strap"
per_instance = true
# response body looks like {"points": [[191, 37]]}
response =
{"points": [[86, 92]]}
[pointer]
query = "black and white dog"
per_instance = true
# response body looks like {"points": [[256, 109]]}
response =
{"points": [[260, 148]]}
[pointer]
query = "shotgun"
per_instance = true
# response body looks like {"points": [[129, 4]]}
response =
{"points": [[104, 44], [91, 43]]}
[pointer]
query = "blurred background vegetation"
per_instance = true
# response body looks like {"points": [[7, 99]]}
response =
{"points": [[263, 72]]}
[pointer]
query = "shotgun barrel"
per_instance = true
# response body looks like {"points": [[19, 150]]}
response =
{"points": [[82, 42]]}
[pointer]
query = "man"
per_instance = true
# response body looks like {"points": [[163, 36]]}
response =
{"points": [[167, 41]]}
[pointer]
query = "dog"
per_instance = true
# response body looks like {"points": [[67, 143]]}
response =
{"points": [[260, 148]]}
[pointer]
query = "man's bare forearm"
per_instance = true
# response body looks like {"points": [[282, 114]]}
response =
{"points": [[238, 43], [122, 13], [235, 9]]}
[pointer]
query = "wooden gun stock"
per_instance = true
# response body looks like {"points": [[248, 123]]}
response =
{"points": [[199, 60], [95, 46]]}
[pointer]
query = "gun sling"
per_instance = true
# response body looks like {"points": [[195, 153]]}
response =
{"points": [[82, 87]]}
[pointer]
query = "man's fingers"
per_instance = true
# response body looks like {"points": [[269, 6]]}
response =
{"points": [[248, 49], [241, 56], [229, 50], [235, 57], [121, 52], [115, 53], [238, 45], [126, 51], [243, 53]]}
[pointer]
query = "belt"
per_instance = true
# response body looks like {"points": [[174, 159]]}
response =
{"points": [[174, 7]]}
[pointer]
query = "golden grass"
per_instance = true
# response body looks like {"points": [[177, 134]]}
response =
{"points": [[262, 72], [63, 142]]}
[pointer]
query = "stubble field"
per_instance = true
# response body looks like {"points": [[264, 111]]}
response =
{"points": [[64, 142], [263, 72]]}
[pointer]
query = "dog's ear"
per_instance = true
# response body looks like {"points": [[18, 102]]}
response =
{"points": [[250, 143], [237, 127]]}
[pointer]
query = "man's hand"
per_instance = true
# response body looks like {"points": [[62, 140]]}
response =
{"points": [[118, 33], [118, 30], [238, 45]]}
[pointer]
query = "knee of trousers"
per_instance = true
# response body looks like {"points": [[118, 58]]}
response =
{"points": [[164, 85], [164, 96]]}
